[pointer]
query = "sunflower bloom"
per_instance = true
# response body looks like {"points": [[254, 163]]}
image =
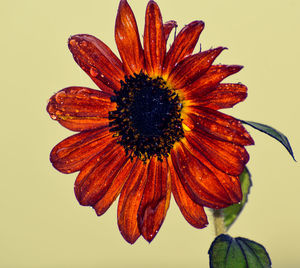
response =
{"points": [[154, 127]]}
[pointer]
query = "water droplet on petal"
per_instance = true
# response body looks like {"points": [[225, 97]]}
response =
{"points": [[60, 96], [93, 72]]}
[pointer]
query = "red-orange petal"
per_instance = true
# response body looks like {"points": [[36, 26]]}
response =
{"points": [[155, 200], [97, 60], [198, 180], [192, 212], [183, 45], [226, 156], [208, 81], [80, 108], [74, 152], [168, 27], [222, 96], [98, 174], [219, 126], [231, 184], [154, 40], [130, 200], [128, 40], [115, 187], [192, 67]]}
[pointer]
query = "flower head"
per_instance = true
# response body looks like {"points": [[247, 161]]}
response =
{"points": [[154, 127]]}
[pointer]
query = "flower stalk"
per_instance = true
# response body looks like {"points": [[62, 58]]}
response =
{"points": [[219, 222]]}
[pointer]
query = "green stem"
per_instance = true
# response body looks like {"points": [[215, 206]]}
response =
{"points": [[219, 222]]}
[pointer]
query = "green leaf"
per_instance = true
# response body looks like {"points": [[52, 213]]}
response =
{"points": [[273, 133], [227, 252], [232, 212]]}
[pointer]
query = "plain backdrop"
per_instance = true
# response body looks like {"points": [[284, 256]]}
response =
{"points": [[41, 223]]}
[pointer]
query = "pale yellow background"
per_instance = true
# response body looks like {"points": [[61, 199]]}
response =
{"points": [[41, 223]]}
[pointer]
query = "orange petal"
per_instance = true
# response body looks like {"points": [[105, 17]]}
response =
{"points": [[183, 45], [192, 67], [155, 200], [231, 184], [192, 212], [209, 81], [98, 174], [168, 27], [128, 40], [154, 40], [130, 200], [80, 108], [220, 126], [198, 180], [97, 60], [73, 153], [226, 156], [115, 187], [223, 96]]}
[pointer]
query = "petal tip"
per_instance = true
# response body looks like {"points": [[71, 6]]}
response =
{"points": [[152, 4], [199, 23], [173, 23], [130, 239], [122, 4], [218, 50], [51, 108], [73, 40], [236, 68]]}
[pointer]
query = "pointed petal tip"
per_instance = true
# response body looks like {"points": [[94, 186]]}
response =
{"points": [[199, 23], [218, 50], [152, 3], [122, 2], [128, 40], [73, 40], [129, 239], [149, 238], [236, 68], [251, 141], [173, 23]]}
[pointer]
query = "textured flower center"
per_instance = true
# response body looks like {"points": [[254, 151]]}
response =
{"points": [[148, 117]]}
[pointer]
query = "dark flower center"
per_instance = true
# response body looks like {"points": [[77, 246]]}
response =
{"points": [[148, 117]]}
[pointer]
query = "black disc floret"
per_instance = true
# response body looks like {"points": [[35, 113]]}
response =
{"points": [[147, 119]]}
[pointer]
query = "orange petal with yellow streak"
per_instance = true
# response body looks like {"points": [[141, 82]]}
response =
{"points": [[98, 174], [192, 212], [198, 180], [74, 152], [128, 40], [156, 198], [226, 156], [208, 81], [168, 27], [222, 96], [129, 202], [192, 68], [115, 187], [219, 125], [230, 184], [154, 40], [98, 61], [183, 45], [80, 108]]}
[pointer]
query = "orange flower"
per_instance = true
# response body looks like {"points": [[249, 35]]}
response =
{"points": [[153, 128]]}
